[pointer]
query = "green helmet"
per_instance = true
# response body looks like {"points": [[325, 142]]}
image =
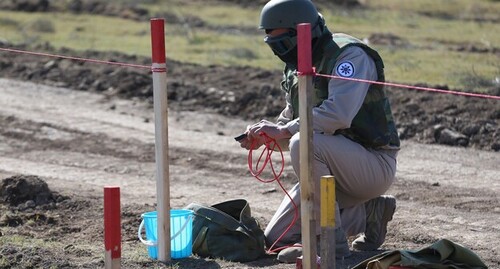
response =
{"points": [[287, 14]]}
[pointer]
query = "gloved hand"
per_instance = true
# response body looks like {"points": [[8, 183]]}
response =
{"points": [[255, 137]]}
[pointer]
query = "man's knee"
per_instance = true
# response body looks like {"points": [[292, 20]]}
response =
{"points": [[292, 236], [294, 147]]}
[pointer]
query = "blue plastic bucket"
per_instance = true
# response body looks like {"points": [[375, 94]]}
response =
{"points": [[181, 230]]}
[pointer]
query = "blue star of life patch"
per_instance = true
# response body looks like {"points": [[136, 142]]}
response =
{"points": [[345, 69]]}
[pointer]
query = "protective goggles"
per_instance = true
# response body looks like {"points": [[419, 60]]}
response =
{"points": [[282, 44]]}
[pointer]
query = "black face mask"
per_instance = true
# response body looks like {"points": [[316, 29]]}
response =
{"points": [[290, 57], [284, 46]]}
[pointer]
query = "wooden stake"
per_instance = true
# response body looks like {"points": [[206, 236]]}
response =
{"points": [[328, 222], [159, 69], [306, 151]]}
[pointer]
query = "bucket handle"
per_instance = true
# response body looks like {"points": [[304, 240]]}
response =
{"points": [[154, 243]]}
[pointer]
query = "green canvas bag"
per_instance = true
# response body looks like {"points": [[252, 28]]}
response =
{"points": [[227, 230], [443, 254]]}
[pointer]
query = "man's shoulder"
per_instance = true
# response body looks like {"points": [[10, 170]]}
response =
{"points": [[344, 39], [353, 52]]}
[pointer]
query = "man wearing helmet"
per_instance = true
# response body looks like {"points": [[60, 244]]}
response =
{"points": [[354, 134]]}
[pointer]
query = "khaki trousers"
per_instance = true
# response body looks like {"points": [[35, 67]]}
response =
{"points": [[360, 174]]}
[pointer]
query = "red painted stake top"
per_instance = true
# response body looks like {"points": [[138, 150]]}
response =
{"points": [[304, 49], [158, 40], [112, 221]]}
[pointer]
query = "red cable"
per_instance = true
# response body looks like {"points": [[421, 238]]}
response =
{"points": [[271, 146], [411, 87], [75, 58], [299, 73]]}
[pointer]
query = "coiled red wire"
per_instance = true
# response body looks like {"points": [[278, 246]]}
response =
{"points": [[265, 160]]}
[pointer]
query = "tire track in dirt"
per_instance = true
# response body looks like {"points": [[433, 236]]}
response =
{"points": [[109, 147]]}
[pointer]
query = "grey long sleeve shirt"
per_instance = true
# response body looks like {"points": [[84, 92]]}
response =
{"points": [[344, 97]]}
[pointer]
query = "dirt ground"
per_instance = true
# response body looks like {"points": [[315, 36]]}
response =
{"points": [[70, 128], [97, 130]]}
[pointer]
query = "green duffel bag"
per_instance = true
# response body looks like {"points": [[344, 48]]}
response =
{"points": [[227, 230]]}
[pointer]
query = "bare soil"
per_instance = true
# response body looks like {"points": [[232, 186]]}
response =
{"points": [[97, 129], [69, 128]]}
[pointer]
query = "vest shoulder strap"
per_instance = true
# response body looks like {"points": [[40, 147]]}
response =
{"points": [[344, 41]]}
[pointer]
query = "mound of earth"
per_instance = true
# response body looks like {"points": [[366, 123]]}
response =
{"points": [[127, 11], [449, 199], [31, 190], [78, 141], [253, 94], [29, 208]]}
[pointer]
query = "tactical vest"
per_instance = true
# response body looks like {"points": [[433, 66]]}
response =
{"points": [[373, 126]]}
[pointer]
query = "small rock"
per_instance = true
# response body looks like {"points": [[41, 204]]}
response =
{"points": [[271, 190], [495, 146], [50, 64], [30, 204], [471, 129], [449, 137]]}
